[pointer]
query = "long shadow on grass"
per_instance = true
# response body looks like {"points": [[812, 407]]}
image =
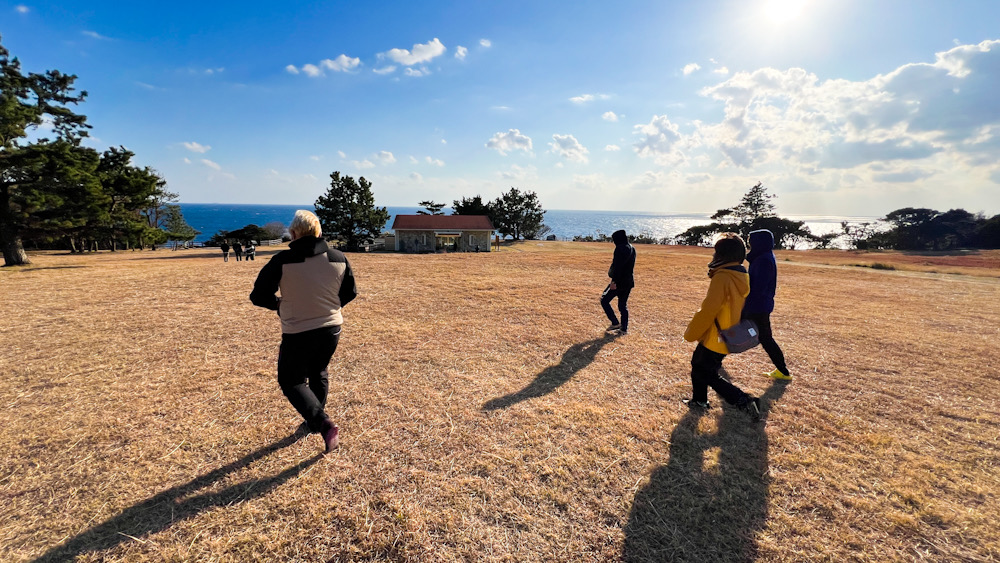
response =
{"points": [[710, 499], [548, 380], [173, 505]]}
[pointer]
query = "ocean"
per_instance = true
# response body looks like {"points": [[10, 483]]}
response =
{"points": [[210, 218]]}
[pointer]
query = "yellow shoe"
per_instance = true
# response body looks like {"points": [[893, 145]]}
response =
{"points": [[776, 374]]}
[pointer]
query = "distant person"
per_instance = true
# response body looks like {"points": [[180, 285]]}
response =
{"points": [[225, 251], [720, 310], [315, 282], [251, 251], [238, 250], [760, 302], [621, 284]]}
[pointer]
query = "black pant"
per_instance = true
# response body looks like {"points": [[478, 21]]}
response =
{"points": [[302, 375], [705, 365], [767, 342], [622, 295]]}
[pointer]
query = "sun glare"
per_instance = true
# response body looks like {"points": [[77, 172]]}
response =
{"points": [[780, 12]]}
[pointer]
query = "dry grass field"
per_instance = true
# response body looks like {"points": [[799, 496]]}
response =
{"points": [[485, 416]]}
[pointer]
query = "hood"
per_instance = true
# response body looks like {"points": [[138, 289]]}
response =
{"points": [[761, 242], [309, 246], [619, 237], [736, 278]]}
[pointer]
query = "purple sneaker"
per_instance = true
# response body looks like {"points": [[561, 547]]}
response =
{"points": [[331, 435]]}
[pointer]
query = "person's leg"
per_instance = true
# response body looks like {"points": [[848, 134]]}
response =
{"points": [[606, 298], [298, 355], [623, 306], [705, 364], [319, 378], [763, 321]]}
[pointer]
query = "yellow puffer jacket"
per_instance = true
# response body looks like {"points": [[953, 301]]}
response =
{"points": [[724, 302]]}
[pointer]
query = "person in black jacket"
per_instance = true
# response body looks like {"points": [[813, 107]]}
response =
{"points": [[225, 251], [760, 302], [622, 282], [315, 281]]}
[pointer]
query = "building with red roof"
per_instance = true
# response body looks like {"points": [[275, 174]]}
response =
{"points": [[431, 233]]}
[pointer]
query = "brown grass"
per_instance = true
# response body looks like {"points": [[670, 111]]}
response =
{"points": [[485, 416]]}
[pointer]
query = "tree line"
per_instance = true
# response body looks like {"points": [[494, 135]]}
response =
{"points": [[514, 213], [57, 193], [903, 229]]}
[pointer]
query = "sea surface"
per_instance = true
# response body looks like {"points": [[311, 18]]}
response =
{"points": [[210, 218]]}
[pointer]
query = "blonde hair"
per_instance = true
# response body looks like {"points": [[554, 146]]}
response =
{"points": [[306, 223]]}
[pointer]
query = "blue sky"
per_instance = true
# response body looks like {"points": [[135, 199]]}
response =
{"points": [[840, 107]]}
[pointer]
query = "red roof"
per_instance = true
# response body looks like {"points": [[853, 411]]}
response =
{"points": [[442, 222]]}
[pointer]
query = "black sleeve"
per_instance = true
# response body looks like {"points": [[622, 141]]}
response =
{"points": [[348, 291], [265, 289]]}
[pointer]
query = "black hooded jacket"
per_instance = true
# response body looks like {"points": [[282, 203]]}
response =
{"points": [[315, 282], [623, 262]]}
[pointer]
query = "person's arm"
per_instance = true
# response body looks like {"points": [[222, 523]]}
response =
{"points": [[265, 289], [348, 290], [704, 319]]}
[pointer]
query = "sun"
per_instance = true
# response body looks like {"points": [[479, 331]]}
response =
{"points": [[781, 12]]}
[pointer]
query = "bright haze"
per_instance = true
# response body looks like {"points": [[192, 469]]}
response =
{"points": [[846, 107]]}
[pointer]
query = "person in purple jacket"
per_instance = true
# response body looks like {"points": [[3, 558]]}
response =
{"points": [[760, 303]]}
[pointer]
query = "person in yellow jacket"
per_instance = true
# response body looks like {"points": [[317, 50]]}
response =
{"points": [[721, 308]]}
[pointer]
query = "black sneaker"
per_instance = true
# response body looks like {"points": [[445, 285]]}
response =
{"points": [[613, 327], [692, 404], [752, 407]]}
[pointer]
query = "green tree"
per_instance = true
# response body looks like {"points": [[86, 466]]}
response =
{"points": [[471, 206], [176, 227], [130, 190], [755, 211], [431, 207], [347, 211], [518, 214], [58, 193], [26, 101], [249, 233]]}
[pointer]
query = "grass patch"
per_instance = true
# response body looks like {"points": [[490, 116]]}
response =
{"points": [[485, 416]]}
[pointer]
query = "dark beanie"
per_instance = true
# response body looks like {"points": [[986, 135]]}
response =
{"points": [[729, 247]]}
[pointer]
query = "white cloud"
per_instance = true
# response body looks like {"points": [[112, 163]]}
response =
{"points": [[582, 99], [461, 52], [510, 141], [291, 69], [434, 161], [569, 148], [721, 70], [147, 86], [385, 157], [416, 72], [520, 175], [486, 43], [610, 116], [210, 164], [697, 178], [385, 70], [187, 160], [363, 164], [690, 68], [659, 140], [317, 158], [413, 160], [421, 53], [197, 147], [612, 148], [312, 70], [341, 154], [342, 63], [22, 9], [95, 35], [416, 177]]}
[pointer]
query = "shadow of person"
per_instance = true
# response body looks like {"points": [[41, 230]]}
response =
{"points": [[577, 357], [159, 512], [710, 499]]}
